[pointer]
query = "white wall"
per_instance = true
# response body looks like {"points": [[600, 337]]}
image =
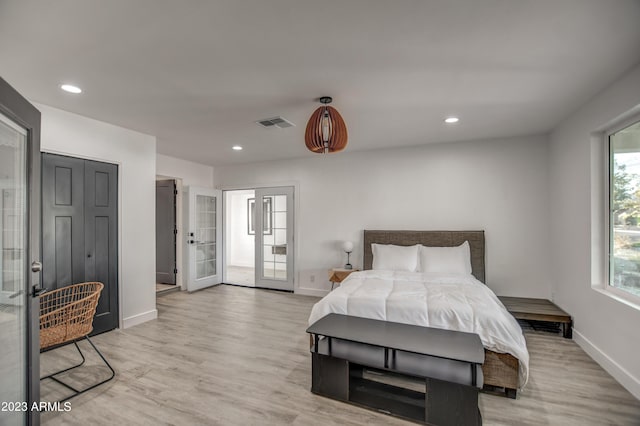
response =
{"points": [[191, 173], [606, 328], [499, 186], [135, 153]]}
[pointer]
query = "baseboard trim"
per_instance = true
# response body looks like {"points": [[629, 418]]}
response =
{"points": [[140, 318], [626, 379], [311, 291]]}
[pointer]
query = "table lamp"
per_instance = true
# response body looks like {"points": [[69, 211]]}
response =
{"points": [[347, 246]]}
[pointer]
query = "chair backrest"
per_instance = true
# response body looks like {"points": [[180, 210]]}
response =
{"points": [[66, 314]]}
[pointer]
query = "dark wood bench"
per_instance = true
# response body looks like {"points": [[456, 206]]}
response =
{"points": [[447, 362], [542, 310]]}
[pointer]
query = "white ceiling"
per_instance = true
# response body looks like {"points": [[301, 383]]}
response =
{"points": [[197, 74]]}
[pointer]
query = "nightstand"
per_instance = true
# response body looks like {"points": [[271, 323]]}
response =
{"points": [[337, 275]]}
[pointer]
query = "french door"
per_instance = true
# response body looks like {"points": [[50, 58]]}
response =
{"points": [[19, 257], [204, 237], [274, 237]]}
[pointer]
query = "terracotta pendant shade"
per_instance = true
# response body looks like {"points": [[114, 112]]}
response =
{"points": [[326, 131]]}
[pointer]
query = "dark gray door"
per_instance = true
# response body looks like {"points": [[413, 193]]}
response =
{"points": [[19, 255], [80, 229], [62, 221], [166, 231], [101, 239]]}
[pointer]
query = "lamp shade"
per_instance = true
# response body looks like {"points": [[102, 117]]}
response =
{"points": [[326, 131], [347, 246]]}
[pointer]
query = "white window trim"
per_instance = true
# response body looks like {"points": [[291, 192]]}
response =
{"points": [[604, 286]]}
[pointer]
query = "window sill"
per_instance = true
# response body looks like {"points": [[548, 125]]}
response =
{"points": [[618, 295]]}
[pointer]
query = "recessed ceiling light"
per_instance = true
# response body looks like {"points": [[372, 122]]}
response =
{"points": [[237, 148], [451, 120], [71, 88]]}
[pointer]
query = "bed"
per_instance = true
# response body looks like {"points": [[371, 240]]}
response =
{"points": [[458, 302]]}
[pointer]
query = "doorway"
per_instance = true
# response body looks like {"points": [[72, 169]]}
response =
{"points": [[259, 246], [166, 236], [240, 240]]}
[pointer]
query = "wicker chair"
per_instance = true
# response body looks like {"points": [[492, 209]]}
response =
{"points": [[66, 316]]}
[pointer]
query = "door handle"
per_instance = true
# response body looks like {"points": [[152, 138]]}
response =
{"points": [[37, 291], [14, 295]]}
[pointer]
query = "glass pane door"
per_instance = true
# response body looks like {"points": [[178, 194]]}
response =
{"points": [[13, 267], [204, 235], [274, 238]]}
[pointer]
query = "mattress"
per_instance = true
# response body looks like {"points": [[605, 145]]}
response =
{"points": [[452, 302]]}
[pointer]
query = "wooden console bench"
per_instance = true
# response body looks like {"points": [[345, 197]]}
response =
{"points": [[538, 310], [447, 362]]}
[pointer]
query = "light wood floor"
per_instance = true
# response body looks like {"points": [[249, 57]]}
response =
{"points": [[165, 287], [239, 356], [243, 275]]}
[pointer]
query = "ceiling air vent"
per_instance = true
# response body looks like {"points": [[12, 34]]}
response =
{"points": [[280, 122]]}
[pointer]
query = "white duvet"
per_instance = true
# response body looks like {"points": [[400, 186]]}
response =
{"points": [[453, 302]]}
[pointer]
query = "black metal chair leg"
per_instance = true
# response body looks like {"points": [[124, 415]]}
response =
{"points": [[67, 369], [78, 392], [113, 373]]}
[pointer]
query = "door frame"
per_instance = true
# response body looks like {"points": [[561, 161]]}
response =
{"points": [[19, 110], [296, 221], [176, 207], [119, 221], [180, 236]]}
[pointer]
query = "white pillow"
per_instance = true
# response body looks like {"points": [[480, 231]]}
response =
{"points": [[446, 260], [395, 258]]}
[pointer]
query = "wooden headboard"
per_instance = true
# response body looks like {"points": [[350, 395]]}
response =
{"points": [[430, 239]]}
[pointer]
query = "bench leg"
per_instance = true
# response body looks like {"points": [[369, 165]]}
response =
{"points": [[567, 328], [449, 404], [330, 376]]}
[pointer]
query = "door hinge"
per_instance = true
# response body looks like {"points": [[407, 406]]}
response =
{"points": [[175, 271], [175, 232], [175, 192]]}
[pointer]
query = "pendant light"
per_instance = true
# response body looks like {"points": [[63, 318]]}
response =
{"points": [[326, 130]]}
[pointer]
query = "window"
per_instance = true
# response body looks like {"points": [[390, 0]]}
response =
{"points": [[624, 209]]}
